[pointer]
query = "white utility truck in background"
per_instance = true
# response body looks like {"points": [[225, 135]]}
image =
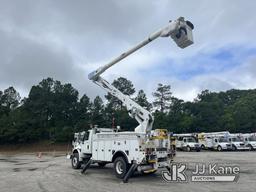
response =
{"points": [[250, 140], [143, 149], [214, 140], [237, 143], [221, 143], [187, 142]]}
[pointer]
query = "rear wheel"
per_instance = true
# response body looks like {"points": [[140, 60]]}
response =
{"points": [[120, 167], [76, 164]]}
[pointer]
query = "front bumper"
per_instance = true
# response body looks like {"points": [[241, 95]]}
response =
{"points": [[242, 148], [196, 148]]}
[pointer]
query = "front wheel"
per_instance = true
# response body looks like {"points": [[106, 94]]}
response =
{"points": [[219, 148], [120, 167], [250, 148], [188, 149], [76, 164], [234, 148]]}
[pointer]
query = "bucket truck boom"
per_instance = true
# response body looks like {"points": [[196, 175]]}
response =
{"points": [[181, 32]]}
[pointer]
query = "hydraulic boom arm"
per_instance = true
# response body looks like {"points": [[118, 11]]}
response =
{"points": [[181, 32]]}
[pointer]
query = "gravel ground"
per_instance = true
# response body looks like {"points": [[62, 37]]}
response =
{"points": [[28, 173]]}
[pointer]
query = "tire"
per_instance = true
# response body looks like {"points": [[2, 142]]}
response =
{"points": [[250, 147], [219, 148], [234, 148], [188, 149], [102, 164], [202, 147], [120, 167], [198, 150], [76, 164]]}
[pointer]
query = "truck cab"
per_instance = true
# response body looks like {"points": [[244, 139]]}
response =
{"points": [[237, 143], [221, 144], [187, 143], [250, 142]]}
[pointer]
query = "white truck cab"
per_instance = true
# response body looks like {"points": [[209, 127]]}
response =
{"points": [[250, 141], [221, 144], [237, 143], [187, 143]]}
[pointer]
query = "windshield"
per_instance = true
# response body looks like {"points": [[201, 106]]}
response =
{"points": [[252, 138], [191, 140], [223, 140], [82, 136]]}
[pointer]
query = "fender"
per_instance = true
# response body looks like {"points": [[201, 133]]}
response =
{"points": [[120, 153]]}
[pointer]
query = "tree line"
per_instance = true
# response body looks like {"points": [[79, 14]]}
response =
{"points": [[54, 111]]}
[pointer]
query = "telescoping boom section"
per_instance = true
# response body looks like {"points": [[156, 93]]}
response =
{"points": [[181, 32]]}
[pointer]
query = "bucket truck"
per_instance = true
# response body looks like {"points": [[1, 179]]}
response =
{"points": [[144, 150], [214, 140]]}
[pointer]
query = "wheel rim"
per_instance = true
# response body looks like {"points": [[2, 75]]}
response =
{"points": [[119, 167], [219, 148], [74, 161]]}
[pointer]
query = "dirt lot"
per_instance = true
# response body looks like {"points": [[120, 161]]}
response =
{"points": [[52, 172]]}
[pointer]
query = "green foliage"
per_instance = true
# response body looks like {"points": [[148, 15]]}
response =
{"points": [[123, 85], [142, 100], [53, 111], [163, 97], [97, 113]]}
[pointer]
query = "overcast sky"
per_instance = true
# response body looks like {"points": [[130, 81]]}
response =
{"points": [[68, 39]]}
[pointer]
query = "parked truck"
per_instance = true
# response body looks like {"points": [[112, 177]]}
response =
{"points": [[221, 143], [214, 140], [249, 139], [237, 142], [187, 142], [143, 149]]}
